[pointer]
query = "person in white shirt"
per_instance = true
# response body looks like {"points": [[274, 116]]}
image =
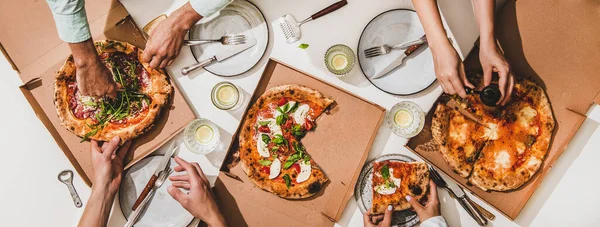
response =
{"points": [[429, 214], [164, 44]]}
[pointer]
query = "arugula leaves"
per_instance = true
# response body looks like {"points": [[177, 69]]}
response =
{"points": [[264, 162], [288, 180]]}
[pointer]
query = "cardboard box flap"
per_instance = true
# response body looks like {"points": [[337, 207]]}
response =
{"points": [[30, 32], [558, 41]]}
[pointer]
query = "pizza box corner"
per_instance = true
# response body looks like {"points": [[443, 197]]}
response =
{"points": [[550, 45], [336, 146], [36, 53]]}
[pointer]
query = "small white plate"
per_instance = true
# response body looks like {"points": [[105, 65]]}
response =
{"points": [[162, 210], [394, 27], [239, 17]]}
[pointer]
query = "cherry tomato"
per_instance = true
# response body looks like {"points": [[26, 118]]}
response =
{"points": [[282, 102], [288, 124], [264, 129], [296, 167], [308, 124], [266, 169]]}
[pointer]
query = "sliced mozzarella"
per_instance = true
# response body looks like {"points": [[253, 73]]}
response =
{"points": [[273, 127], [275, 169], [262, 148], [305, 171], [502, 159], [526, 116], [301, 113], [385, 190], [396, 181]]}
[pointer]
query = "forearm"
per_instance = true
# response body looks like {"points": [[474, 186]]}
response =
{"points": [[84, 53], [431, 20], [98, 208], [187, 17], [484, 14]]}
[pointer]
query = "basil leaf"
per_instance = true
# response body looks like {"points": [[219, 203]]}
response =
{"points": [[286, 108], [280, 110], [294, 107], [275, 148], [390, 184], [265, 138], [287, 180], [264, 162], [281, 119], [298, 131], [298, 147], [303, 46], [306, 160], [274, 156], [263, 123], [90, 103], [279, 140], [385, 172]]}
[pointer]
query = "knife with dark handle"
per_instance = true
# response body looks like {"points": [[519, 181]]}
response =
{"points": [[398, 62], [145, 192]]}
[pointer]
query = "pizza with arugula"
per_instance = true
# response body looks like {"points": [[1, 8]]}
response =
{"points": [[143, 95], [271, 151]]}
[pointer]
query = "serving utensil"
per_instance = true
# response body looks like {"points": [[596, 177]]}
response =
{"points": [[218, 57], [398, 62], [225, 40], [385, 49], [162, 167], [133, 217], [66, 177], [457, 193], [291, 27]]}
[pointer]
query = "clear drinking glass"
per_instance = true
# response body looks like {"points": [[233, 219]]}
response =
{"points": [[226, 96], [201, 136]]}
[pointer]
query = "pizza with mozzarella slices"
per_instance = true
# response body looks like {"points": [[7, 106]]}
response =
{"points": [[143, 95], [271, 151], [506, 148], [394, 180]]}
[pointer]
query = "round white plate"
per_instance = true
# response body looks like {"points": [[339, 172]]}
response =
{"points": [[363, 191], [162, 210], [394, 27], [239, 17]]}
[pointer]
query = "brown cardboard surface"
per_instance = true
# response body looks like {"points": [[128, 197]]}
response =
{"points": [[339, 145], [38, 65], [556, 44]]}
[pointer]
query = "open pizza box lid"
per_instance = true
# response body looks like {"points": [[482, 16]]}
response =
{"points": [[339, 145], [556, 45], [30, 42]]}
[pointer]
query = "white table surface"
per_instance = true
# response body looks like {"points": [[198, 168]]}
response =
{"points": [[31, 195]]}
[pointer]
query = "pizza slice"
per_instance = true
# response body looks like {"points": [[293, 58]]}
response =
{"points": [[459, 138], [393, 180], [271, 150]]}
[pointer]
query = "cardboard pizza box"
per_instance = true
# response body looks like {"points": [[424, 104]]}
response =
{"points": [[30, 42], [557, 45], [339, 145]]}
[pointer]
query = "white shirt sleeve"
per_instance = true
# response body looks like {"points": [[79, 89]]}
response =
{"points": [[207, 8], [70, 19], [437, 221]]}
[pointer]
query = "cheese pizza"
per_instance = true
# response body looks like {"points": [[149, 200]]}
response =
{"points": [[393, 181]]}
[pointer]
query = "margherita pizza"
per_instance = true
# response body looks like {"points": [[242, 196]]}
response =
{"points": [[271, 151], [393, 181], [505, 149], [143, 94]]}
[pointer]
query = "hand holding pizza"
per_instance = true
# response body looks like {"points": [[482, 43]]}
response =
{"points": [[107, 163], [381, 220], [431, 208], [93, 78], [199, 201]]}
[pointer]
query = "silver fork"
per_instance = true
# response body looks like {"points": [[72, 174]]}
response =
{"points": [[385, 49], [225, 40], [159, 182], [463, 199]]}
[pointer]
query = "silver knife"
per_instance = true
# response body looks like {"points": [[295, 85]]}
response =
{"points": [[398, 62], [161, 167], [227, 53]]}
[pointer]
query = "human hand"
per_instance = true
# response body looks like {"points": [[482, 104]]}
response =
{"points": [[107, 163], [450, 70], [492, 60], [431, 208], [200, 201], [93, 78], [381, 220], [166, 39]]}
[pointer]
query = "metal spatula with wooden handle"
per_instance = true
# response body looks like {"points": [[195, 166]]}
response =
{"points": [[291, 27]]}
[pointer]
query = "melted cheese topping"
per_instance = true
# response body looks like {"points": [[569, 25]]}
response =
{"points": [[275, 169], [502, 159], [533, 162], [301, 113], [262, 148], [305, 171], [526, 115], [521, 147], [492, 131], [384, 188], [460, 133]]}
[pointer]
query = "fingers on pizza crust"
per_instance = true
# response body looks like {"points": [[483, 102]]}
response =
{"points": [[160, 92], [249, 155], [416, 185]]}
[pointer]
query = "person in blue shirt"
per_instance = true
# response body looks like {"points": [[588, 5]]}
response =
{"points": [[164, 44]]}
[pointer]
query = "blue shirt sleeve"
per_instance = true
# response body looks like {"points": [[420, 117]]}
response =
{"points": [[207, 8], [71, 20]]}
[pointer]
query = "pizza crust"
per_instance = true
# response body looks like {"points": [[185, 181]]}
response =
{"points": [[249, 155], [415, 183], [159, 91]]}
